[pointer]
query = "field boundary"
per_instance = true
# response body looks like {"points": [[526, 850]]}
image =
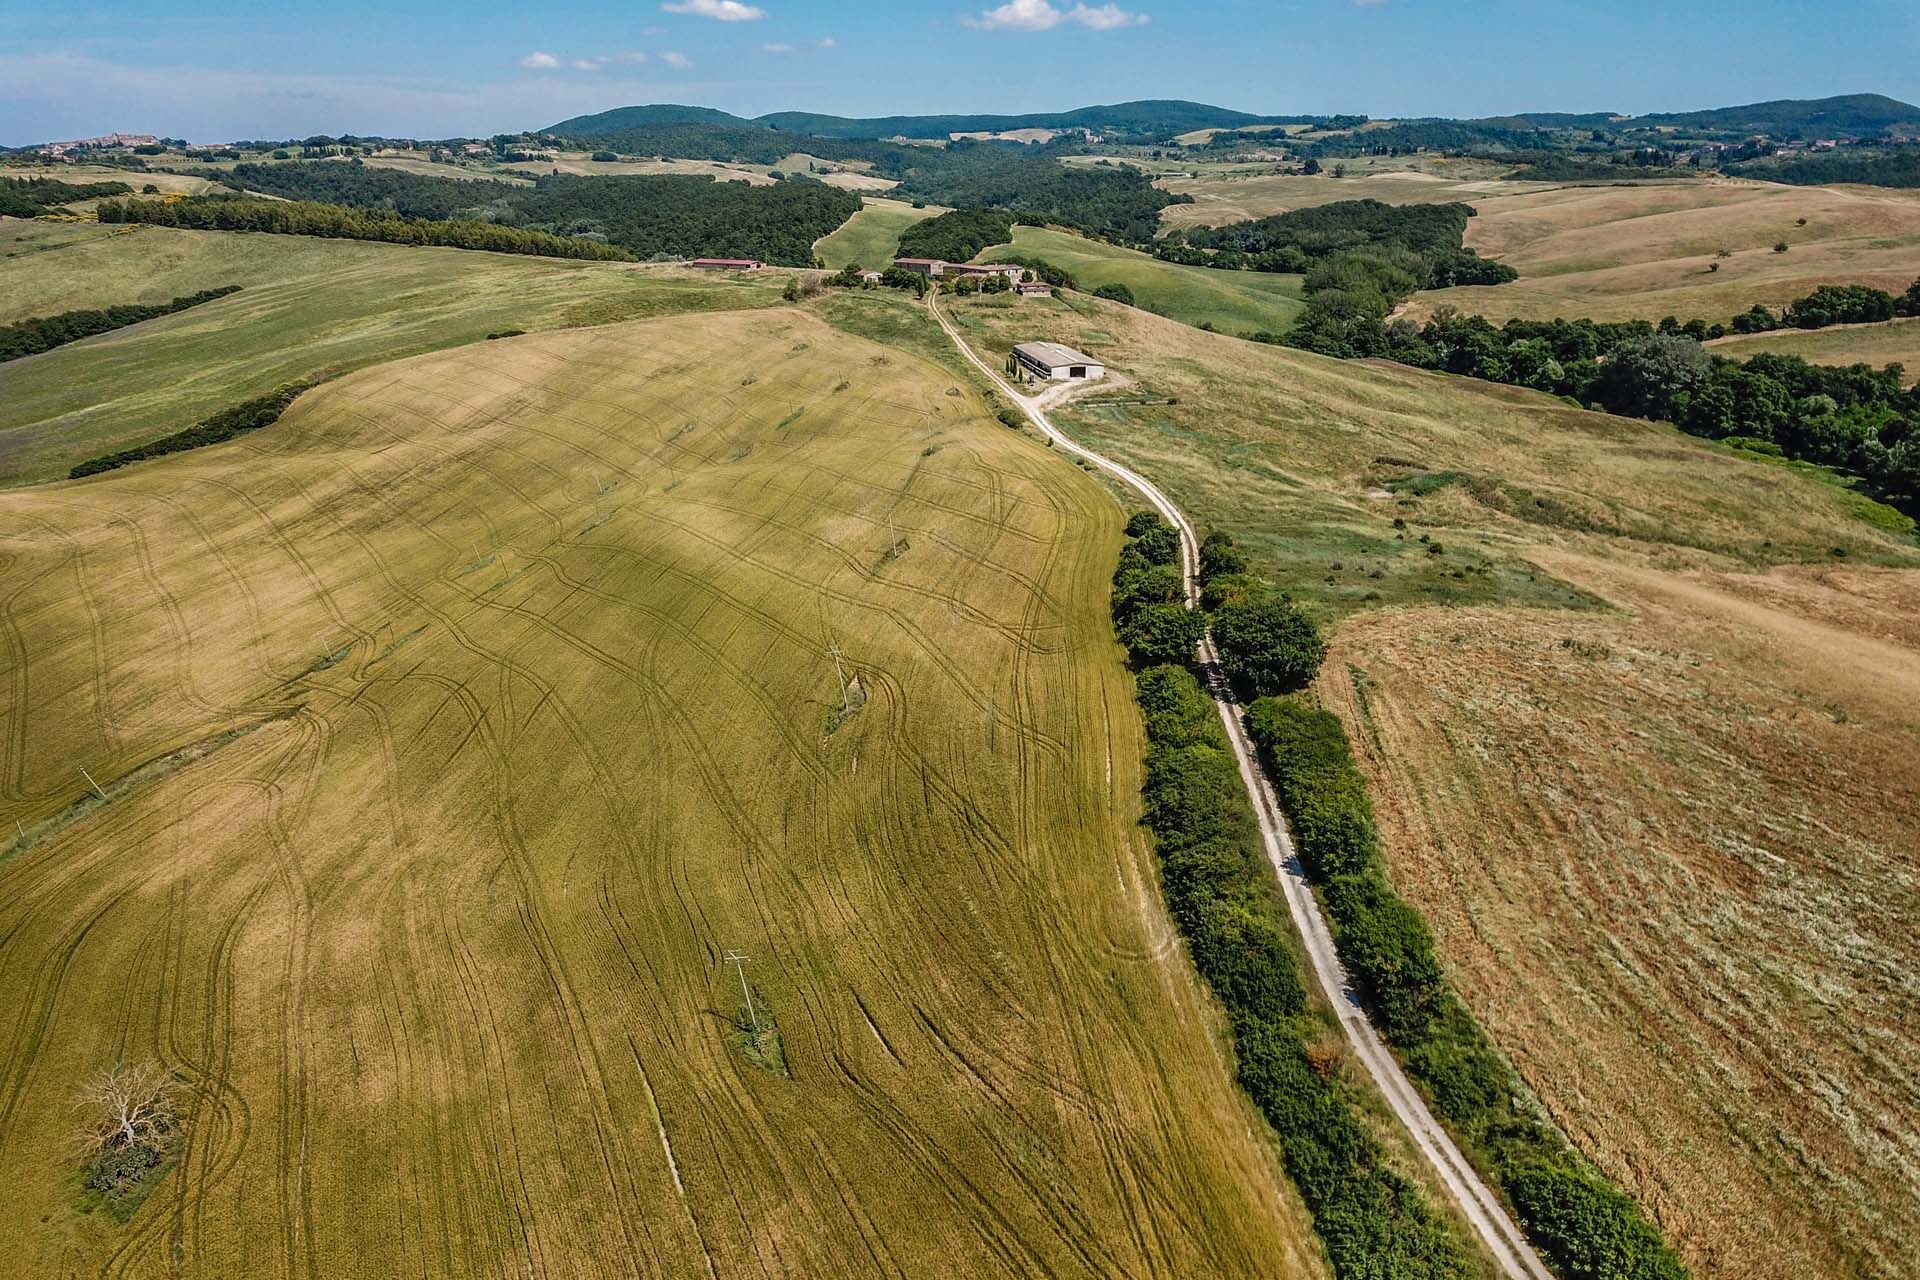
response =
{"points": [[1497, 1230]]}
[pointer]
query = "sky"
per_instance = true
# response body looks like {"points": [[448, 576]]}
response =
{"points": [[218, 70]]}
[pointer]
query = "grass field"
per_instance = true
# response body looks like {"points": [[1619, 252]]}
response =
{"points": [[457, 725], [1643, 745], [307, 307], [1231, 301], [871, 237], [1896, 341], [1621, 253]]}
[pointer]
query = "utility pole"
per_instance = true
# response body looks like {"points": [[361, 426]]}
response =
{"points": [[739, 963], [834, 649], [90, 782]]}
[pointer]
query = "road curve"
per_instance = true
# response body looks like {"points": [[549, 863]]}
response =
{"points": [[1476, 1200]]}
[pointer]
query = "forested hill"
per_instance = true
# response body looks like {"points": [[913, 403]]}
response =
{"points": [[651, 216], [1157, 116], [1849, 115], [622, 119]]}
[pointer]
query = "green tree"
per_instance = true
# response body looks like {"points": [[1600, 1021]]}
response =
{"points": [[1163, 633], [1268, 644]]}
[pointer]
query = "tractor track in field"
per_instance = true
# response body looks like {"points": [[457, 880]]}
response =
{"points": [[1475, 1200]]}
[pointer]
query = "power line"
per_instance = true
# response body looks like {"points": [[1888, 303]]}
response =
{"points": [[739, 963]]}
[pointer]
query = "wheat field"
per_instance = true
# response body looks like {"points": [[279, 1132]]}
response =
{"points": [[454, 729]]}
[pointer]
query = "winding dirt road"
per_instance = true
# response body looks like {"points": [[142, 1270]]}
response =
{"points": [[1496, 1228]]}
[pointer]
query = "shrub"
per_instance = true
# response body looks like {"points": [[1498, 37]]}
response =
{"points": [[1115, 292], [1268, 644], [1220, 554], [1244, 958], [1588, 1227], [1141, 521], [1159, 544], [1158, 633]]}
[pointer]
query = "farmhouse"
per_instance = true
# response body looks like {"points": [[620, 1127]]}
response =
{"points": [[1010, 270], [1051, 362], [871, 277], [727, 264], [1034, 289]]}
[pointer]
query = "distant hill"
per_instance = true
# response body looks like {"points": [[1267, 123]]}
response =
{"points": [[1158, 116], [628, 119], [1854, 113]]}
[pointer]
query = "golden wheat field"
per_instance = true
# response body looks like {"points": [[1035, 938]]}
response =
{"points": [[1644, 252], [455, 728]]}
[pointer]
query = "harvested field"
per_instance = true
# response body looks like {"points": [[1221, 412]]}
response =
{"points": [[484, 702], [306, 308], [1670, 854], [1893, 342], [1238, 193], [1623, 253]]}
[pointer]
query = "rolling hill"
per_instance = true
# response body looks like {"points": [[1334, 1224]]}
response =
{"points": [[454, 731]]}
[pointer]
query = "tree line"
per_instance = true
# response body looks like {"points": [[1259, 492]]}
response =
{"points": [[1856, 419], [1372, 1221], [1582, 1223], [652, 216], [37, 197], [364, 186], [306, 218], [32, 336], [1218, 889], [248, 415]]}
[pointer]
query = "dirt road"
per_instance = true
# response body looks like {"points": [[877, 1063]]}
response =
{"points": [[1497, 1230]]}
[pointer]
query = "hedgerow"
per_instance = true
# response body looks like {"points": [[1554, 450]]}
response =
{"points": [[248, 415], [1587, 1228], [1220, 891], [44, 333]]}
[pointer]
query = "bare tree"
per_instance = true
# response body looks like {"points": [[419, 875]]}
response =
{"points": [[127, 1107]]}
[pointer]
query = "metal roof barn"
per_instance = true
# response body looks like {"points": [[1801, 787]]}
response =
{"points": [[1052, 361]]}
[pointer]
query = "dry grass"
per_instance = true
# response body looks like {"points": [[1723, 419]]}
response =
{"points": [[1670, 854], [1621, 253], [1894, 342], [525, 645]]}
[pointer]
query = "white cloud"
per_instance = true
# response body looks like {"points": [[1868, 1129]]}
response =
{"points": [[1108, 17], [774, 46], [678, 61], [718, 10], [629, 58], [1039, 15], [825, 42], [538, 61], [588, 64]]}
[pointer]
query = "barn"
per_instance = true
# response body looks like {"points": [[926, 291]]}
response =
{"points": [[1052, 362]]}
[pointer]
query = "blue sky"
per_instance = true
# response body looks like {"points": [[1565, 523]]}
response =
{"points": [[211, 70]]}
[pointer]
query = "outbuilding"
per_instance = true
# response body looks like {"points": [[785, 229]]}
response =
{"points": [[922, 266], [1034, 289], [727, 264], [1052, 362]]}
